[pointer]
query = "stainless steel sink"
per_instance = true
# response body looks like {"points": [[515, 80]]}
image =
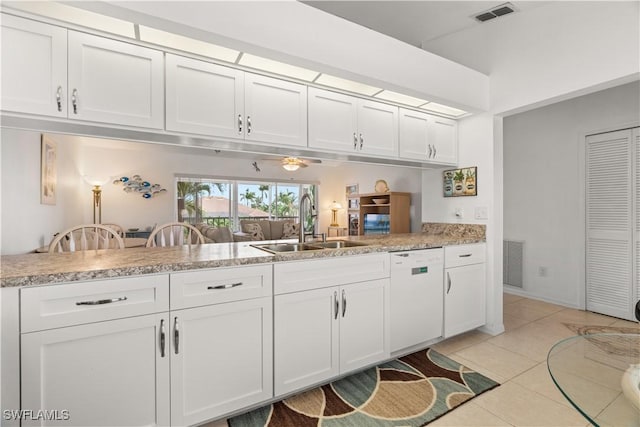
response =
{"points": [[288, 247], [336, 244]]}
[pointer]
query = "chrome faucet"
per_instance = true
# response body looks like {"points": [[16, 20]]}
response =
{"points": [[301, 217]]}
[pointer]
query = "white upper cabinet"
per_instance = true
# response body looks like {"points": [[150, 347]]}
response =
{"points": [[275, 110], [428, 138], [115, 82], [34, 67], [204, 98], [210, 99], [339, 122]]}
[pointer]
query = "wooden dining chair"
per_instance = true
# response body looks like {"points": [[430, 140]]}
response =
{"points": [[174, 234], [86, 237]]}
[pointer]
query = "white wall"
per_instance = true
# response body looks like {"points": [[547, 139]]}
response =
{"points": [[550, 53], [26, 224], [477, 136], [544, 190]]}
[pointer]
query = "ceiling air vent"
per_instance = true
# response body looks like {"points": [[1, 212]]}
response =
{"points": [[495, 12]]}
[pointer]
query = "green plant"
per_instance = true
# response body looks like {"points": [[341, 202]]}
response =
{"points": [[459, 175]]}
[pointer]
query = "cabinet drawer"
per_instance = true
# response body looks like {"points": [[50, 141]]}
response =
{"points": [[458, 255], [304, 275], [56, 306], [197, 288]]}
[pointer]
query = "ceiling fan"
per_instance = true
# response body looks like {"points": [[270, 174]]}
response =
{"points": [[291, 163]]}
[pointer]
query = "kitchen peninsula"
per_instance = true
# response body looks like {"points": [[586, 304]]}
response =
{"points": [[184, 335]]}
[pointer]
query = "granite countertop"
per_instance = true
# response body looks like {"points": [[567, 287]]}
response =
{"points": [[39, 269]]}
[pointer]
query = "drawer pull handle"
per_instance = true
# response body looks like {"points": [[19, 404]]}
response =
{"points": [[464, 255], [227, 286], [162, 338], [448, 282], [101, 301]]}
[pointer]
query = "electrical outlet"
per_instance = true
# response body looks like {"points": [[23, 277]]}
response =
{"points": [[481, 212], [543, 271]]}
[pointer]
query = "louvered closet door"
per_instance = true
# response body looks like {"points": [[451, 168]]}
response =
{"points": [[609, 212], [636, 235]]}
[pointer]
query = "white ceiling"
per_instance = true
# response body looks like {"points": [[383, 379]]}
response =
{"points": [[420, 22]]}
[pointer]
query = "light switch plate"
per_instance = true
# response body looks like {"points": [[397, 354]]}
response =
{"points": [[481, 212]]}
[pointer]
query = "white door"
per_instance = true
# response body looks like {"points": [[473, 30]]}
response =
{"points": [[305, 338], [636, 236], [34, 67], [443, 136], [377, 128], [333, 121], [204, 98], [609, 204], [364, 324], [115, 82], [107, 373], [464, 299], [221, 359], [414, 135], [275, 111]]}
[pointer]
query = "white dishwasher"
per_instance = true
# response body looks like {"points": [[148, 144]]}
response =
{"points": [[417, 297]]}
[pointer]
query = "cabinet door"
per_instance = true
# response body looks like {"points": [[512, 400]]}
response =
{"points": [[443, 136], [34, 67], [275, 110], [204, 98], [221, 359], [465, 296], [364, 324], [377, 128], [305, 338], [115, 82], [107, 373], [414, 141], [333, 121]]}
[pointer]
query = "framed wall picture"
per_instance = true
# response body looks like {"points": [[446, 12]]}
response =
{"points": [[48, 171], [460, 182], [351, 189]]}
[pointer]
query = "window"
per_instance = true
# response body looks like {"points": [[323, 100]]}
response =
{"points": [[221, 202]]}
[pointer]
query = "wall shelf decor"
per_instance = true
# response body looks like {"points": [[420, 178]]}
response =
{"points": [[136, 184], [460, 182]]}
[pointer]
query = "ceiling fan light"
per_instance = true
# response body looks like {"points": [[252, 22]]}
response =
{"points": [[291, 166]]}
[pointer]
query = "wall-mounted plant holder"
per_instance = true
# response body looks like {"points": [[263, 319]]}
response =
{"points": [[460, 182], [136, 184]]}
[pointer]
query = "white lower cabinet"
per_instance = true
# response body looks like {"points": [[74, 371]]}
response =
{"points": [[109, 373], [221, 359], [321, 333], [465, 288]]}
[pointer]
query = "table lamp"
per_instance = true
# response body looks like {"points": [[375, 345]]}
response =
{"points": [[334, 213]]}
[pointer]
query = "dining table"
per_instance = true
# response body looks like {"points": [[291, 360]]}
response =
{"points": [[129, 242]]}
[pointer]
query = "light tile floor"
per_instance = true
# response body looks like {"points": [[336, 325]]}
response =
{"points": [[517, 359]]}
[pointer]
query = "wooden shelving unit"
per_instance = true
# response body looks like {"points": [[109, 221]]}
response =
{"points": [[397, 209]]}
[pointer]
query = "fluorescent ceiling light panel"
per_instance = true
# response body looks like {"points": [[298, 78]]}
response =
{"points": [[400, 98], [187, 44], [276, 67], [443, 109], [348, 85], [76, 16]]}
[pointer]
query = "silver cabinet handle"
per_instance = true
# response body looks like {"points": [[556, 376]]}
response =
{"points": [[248, 124], [176, 335], [430, 151], [464, 255], [227, 286], [162, 338], [74, 101], [434, 151], [344, 303], [59, 98], [361, 141], [101, 301], [355, 141], [239, 123], [448, 282], [336, 305]]}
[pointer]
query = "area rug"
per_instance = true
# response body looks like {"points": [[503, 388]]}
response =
{"points": [[409, 391], [609, 339]]}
